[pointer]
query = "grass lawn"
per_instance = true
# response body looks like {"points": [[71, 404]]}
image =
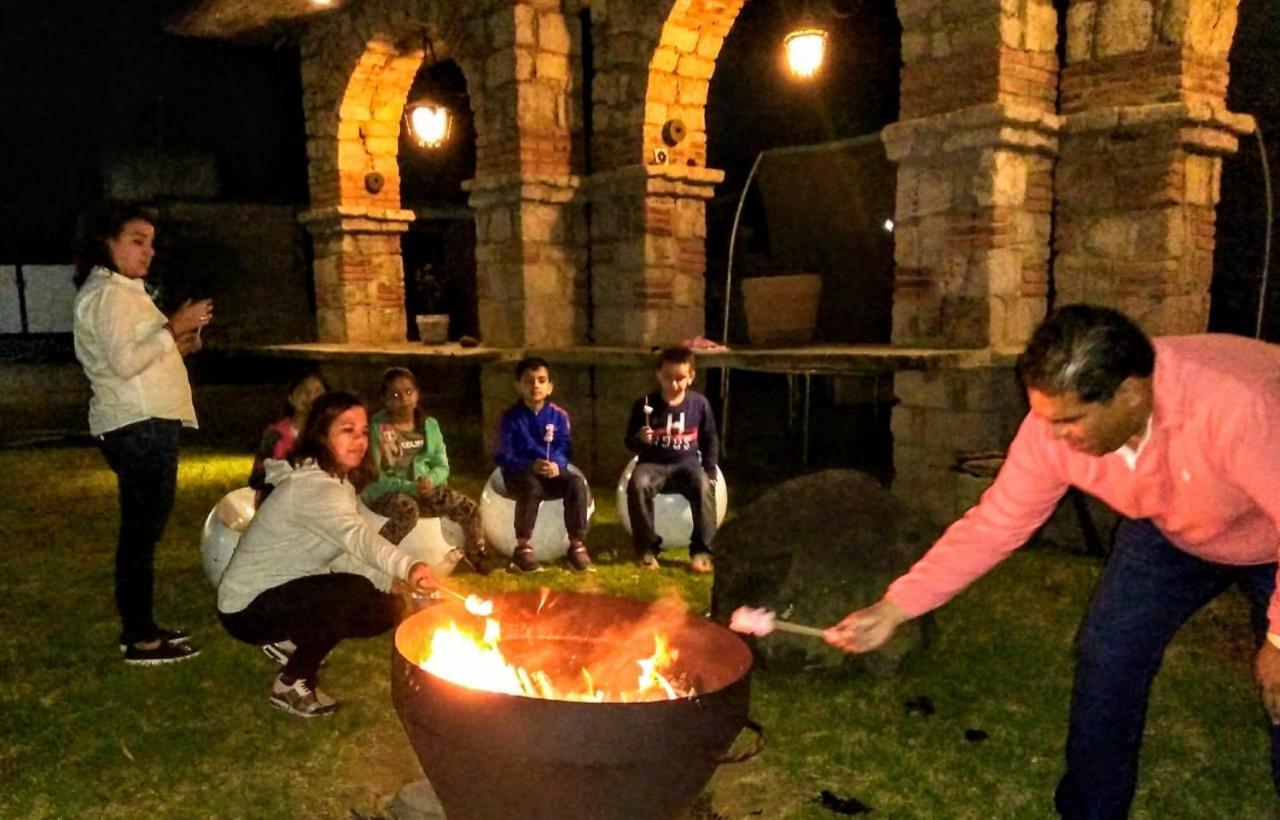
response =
{"points": [[82, 735]]}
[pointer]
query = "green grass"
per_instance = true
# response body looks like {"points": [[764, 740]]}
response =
{"points": [[82, 735]]}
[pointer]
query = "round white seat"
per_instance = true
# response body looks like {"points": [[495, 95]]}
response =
{"points": [[550, 540], [672, 515]]}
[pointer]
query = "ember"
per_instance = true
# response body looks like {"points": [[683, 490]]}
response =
{"points": [[460, 655]]}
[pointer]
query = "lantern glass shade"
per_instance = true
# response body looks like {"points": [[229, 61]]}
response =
{"points": [[428, 123], [806, 48]]}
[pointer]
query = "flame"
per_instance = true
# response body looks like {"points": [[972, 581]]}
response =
{"points": [[479, 663]]}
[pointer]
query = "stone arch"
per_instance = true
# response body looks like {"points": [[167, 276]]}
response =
{"points": [[357, 68]]}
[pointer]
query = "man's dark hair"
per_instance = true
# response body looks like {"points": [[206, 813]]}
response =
{"points": [[1087, 350], [531, 363], [313, 441], [676, 354]]}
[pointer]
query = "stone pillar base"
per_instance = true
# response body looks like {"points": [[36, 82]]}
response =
{"points": [[530, 259], [417, 801], [359, 274], [648, 252]]}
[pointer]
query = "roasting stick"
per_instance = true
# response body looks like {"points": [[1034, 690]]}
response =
{"points": [[474, 603], [760, 622]]}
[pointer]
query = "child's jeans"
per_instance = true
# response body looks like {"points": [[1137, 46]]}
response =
{"points": [[690, 481], [529, 490]]}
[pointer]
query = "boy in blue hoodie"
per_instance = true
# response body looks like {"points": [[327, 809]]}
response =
{"points": [[534, 448]]}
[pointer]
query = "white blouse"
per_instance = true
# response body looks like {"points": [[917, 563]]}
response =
{"points": [[132, 361]]}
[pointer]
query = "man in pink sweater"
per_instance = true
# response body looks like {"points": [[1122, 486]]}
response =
{"points": [[1181, 435]]}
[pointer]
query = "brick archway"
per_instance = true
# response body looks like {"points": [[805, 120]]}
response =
{"points": [[649, 224], [357, 67]]}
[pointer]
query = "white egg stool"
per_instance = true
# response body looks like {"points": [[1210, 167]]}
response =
{"points": [[550, 540]]}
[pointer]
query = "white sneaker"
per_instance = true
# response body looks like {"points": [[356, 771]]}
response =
{"points": [[301, 698]]}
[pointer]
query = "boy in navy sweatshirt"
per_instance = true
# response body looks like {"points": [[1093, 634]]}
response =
{"points": [[534, 448], [673, 432]]}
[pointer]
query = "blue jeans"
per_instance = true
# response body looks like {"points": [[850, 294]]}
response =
{"points": [[1148, 590], [144, 457], [689, 480]]}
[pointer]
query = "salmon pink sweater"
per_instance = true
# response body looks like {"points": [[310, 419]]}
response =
{"points": [[1208, 477]]}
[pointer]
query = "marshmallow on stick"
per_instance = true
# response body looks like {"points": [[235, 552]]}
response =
{"points": [[760, 622], [548, 435], [648, 412]]}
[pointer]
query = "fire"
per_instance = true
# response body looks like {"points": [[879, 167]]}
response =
{"points": [[478, 662]]}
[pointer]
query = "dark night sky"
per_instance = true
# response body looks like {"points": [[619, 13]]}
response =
{"points": [[82, 78]]}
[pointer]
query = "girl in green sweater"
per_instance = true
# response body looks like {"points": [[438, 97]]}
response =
{"points": [[408, 451]]}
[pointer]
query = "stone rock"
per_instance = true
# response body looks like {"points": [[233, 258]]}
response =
{"points": [[813, 549], [417, 801]]}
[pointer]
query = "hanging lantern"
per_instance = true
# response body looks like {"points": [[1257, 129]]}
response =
{"points": [[806, 48], [428, 123]]}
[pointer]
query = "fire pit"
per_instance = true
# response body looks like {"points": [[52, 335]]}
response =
{"points": [[624, 709]]}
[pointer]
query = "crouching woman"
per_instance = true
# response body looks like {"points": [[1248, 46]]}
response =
{"points": [[280, 586]]}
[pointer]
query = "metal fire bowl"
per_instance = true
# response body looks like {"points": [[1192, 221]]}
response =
{"points": [[490, 755]]}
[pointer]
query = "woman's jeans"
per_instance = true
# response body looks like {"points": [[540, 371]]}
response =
{"points": [[1148, 590], [144, 457], [316, 612]]}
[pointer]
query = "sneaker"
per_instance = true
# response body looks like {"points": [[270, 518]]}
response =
{"points": [[648, 560], [280, 651], [578, 557], [174, 636], [480, 559], [162, 652], [522, 560], [300, 698], [700, 563]]}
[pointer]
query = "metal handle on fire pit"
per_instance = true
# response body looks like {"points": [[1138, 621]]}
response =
{"points": [[756, 747]]}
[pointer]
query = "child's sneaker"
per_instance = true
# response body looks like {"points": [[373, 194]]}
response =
{"points": [[700, 563], [300, 698], [174, 636], [161, 653], [648, 560], [578, 558], [523, 560], [280, 651], [480, 558]]}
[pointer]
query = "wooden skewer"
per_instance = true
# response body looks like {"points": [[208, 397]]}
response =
{"points": [[799, 629]]}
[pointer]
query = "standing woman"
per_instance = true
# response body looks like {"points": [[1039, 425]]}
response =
{"points": [[132, 354]]}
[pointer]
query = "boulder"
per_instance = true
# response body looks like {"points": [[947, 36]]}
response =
{"points": [[813, 549]]}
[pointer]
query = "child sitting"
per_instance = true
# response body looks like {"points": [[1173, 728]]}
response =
{"points": [[412, 466], [278, 438], [673, 433], [533, 453]]}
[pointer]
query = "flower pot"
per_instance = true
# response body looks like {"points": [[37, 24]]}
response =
{"points": [[433, 328], [781, 309]]}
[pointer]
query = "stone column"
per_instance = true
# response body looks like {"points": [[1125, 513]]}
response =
{"points": [[1145, 129], [975, 150], [530, 236], [359, 275], [648, 252]]}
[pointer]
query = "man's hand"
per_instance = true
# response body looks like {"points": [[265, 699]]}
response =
{"points": [[421, 578], [425, 487], [867, 629], [1266, 670], [645, 435], [548, 469]]}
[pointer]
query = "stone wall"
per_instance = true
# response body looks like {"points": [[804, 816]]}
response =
{"points": [[1145, 128]]}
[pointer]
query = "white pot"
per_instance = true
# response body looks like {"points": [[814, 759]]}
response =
{"points": [[433, 328]]}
